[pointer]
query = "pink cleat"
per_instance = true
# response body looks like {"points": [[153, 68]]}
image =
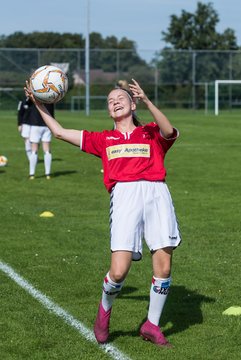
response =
{"points": [[101, 327], [153, 333]]}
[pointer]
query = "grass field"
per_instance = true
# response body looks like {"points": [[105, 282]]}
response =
{"points": [[67, 256]]}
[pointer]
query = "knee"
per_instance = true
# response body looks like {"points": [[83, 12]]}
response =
{"points": [[165, 271], [162, 269], [117, 275], [162, 262]]}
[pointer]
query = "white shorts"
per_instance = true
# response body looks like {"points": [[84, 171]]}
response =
{"points": [[39, 133], [25, 131], [142, 209]]}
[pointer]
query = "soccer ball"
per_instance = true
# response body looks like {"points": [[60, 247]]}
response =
{"points": [[49, 84], [3, 160]]}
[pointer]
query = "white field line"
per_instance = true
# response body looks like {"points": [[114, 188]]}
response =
{"points": [[112, 351]]}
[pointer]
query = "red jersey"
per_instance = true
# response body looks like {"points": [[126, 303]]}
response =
{"points": [[134, 156]]}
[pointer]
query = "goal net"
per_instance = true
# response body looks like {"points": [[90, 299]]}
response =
{"points": [[228, 84]]}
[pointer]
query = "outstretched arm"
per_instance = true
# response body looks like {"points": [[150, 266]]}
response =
{"points": [[68, 135], [161, 120]]}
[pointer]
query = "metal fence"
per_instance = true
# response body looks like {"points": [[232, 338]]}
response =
{"points": [[181, 79]]}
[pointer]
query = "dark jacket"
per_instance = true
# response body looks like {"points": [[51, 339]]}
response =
{"points": [[28, 113]]}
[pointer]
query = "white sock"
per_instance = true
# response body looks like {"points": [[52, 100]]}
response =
{"points": [[47, 162], [33, 159], [110, 292], [28, 148], [158, 295]]}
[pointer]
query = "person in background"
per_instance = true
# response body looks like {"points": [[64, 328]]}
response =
{"points": [[140, 202], [40, 133], [35, 131]]}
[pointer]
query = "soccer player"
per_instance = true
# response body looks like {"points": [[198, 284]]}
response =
{"points": [[35, 131], [140, 203]]}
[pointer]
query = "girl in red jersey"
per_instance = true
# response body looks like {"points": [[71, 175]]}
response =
{"points": [[140, 203]]}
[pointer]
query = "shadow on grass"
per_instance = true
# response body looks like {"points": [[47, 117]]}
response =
{"points": [[54, 160], [59, 173], [182, 310]]}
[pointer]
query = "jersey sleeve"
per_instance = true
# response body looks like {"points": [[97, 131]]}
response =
{"points": [[91, 142], [167, 143]]}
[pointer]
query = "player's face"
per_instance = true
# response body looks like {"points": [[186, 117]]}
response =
{"points": [[119, 104]]}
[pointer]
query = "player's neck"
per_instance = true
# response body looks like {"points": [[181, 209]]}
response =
{"points": [[125, 126]]}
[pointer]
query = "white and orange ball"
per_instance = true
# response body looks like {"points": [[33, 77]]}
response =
{"points": [[49, 84]]}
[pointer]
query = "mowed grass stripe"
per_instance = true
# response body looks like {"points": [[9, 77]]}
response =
{"points": [[112, 351]]}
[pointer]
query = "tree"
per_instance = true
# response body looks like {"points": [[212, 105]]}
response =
{"points": [[198, 31], [106, 54], [41, 40], [110, 58], [115, 55], [185, 61]]}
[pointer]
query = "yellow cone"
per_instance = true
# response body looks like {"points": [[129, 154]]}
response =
{"points": [[233, 310], [46, 214]]}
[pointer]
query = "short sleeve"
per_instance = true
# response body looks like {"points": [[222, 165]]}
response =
{"points": [[91, 142], [167, 143]]}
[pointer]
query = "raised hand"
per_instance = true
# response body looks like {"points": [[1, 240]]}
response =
{"points": [[137, 91], [29, 93]]}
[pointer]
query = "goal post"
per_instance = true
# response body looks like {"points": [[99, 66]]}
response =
{"points": [[220, 82]]}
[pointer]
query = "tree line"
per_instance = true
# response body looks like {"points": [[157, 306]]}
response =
{"points": [[189, 32]]}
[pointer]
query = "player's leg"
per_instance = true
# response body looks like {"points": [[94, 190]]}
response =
{"points": [[27, 144], [33, 159], [34, 137], [47, 159], [46, 141], [161, 280], [114, 280], [25, 133], [125, 229], [162, 235], [161, 261], [112, 285]]}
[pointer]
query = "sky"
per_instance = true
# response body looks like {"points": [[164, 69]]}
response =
{"points": [[141, 21]]}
